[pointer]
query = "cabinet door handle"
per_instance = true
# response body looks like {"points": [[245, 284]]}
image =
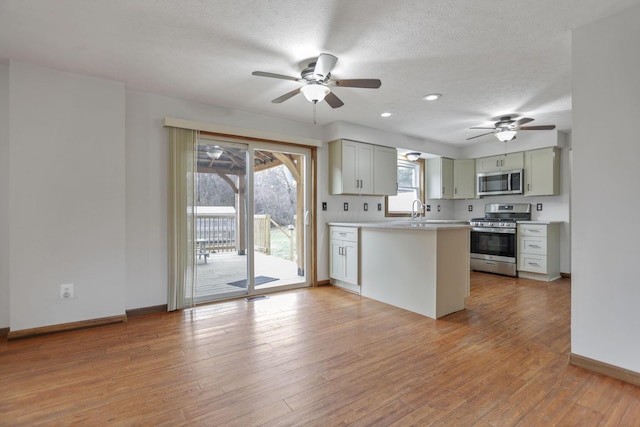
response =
{"points": [[535, 246], [535, 264], [533, 230], [455, 190]]}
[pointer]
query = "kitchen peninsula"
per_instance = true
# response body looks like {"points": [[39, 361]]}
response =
{"points": [[421, 266]]}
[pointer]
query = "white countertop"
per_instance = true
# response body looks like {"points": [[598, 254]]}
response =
{"points": [[432, 225], [539, 222]]}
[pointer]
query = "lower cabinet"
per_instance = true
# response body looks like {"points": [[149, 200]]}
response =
{"points": [[539, 251], [343, 258]]}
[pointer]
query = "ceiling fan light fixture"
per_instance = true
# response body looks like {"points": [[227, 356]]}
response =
{"points": [[214, 152], [314, 92], [506, 135], [412, 156]]}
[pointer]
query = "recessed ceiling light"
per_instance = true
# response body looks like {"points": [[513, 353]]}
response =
{"points": [[386, 114], [432, 96]]}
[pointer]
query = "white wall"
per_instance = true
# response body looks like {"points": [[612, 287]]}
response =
{"points": [[4, 195], [605, 324], [66, 196]]}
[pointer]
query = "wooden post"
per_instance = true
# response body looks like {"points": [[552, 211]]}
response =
{"points": [[241, 229]]}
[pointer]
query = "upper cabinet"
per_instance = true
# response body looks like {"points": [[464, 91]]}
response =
{"points": [[385, 171], [352, 171], [464, 179], [451, 179], [499, 163], [542, 172], [439, 178]]}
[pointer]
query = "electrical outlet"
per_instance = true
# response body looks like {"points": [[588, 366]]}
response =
{"points": [[346, 206], [366, 207], [470, 208], [66, 291], [379, 207], [438, 208], [428, 208], [539, 207], [324, 206]]}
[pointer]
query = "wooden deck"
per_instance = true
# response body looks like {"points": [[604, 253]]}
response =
{"points": [[220, 269]]}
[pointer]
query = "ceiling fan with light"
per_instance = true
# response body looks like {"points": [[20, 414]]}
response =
{"points": [[507, 127], [317, 82]]}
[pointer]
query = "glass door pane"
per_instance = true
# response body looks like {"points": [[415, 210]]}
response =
{"points": [[221, 226], [251, 218], [280, 206]]}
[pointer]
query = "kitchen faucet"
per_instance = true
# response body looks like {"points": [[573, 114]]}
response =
{"points": [[414, 213]]}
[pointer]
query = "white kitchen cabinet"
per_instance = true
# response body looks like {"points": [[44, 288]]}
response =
{"points": [[439, 178], [343, 259], [385, 171], [352, 171], [499, 163], [450, 179], [542, 172], [464, 179], [539, 251]]}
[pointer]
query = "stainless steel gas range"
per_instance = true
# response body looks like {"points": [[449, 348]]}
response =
{"points": [[494, 238]]}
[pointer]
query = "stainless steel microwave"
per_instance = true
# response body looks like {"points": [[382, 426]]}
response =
{"points": [[502, 182]]}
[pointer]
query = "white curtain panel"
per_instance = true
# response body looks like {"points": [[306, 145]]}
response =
{"points": [[182, 168]]}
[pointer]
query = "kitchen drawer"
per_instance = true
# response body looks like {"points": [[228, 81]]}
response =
{"points": [[532, 230], [533, 245], [344, 233], [533, 263]]}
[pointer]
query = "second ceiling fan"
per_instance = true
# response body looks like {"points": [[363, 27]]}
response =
{"points": [[317, 82], [506, 128]]}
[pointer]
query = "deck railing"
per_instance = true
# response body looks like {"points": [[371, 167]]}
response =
{"points": [[262, 233], [217, 232]]}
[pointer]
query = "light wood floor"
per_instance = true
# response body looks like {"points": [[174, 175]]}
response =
{"points": [[320, 357]]}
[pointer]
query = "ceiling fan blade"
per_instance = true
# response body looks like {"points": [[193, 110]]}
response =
{"points": [[275, 76], [481, 127], [333, 100], [542, 127], [363, 83], [522, 121], [478, 136], [324, 65], [286, 96]]}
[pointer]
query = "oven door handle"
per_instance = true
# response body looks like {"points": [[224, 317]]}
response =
{"points": [[494, 230]]}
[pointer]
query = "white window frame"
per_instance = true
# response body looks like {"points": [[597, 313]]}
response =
{"points": [[417, 188]]}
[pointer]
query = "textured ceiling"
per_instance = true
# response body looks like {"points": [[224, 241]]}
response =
{"points": [[488, 58]]}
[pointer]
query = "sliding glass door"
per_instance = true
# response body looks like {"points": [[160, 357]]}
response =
{"points": [[251, 223]]}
